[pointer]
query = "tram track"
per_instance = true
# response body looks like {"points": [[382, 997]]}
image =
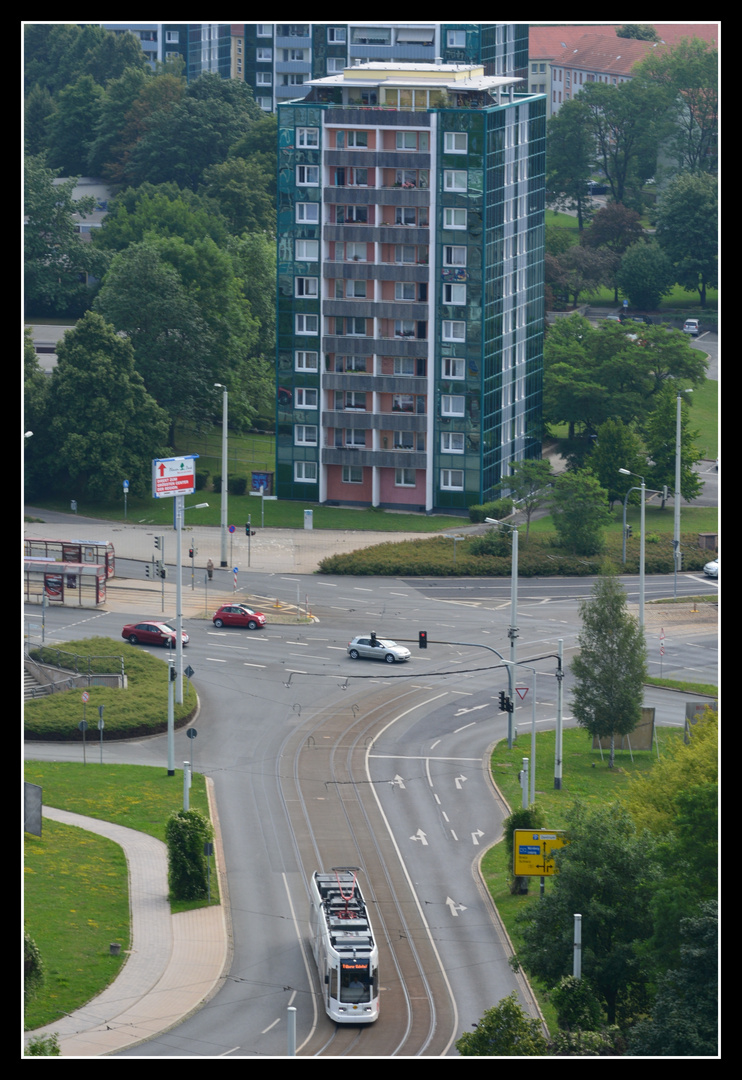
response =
{"points": [[336, 820]]}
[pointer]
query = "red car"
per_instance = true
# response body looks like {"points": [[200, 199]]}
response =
{"points": [[238, 615], [152, 633]]}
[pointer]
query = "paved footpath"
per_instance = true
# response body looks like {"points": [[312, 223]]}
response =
{"points": [[175, 963]]}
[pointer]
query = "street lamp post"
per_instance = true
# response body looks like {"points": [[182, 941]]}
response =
{"points": [[676, 520], [513, 631], [180, 509], [627, 472], [223, 561]]}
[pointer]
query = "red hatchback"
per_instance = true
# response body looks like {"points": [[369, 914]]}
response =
{"points": [[152, 633], [238, 615]]}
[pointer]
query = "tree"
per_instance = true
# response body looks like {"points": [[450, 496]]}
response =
{"points": [[35, 402], [239, 190], [684, 1020], [55, 256], [611, 667], [504, 1031], [529, 486], [616, 447], [70, 126], [584, 271], [152, 210], [530, 817], [607, 873], [102, 426], [660, 438], [571, 159], [626, 122], [638, 32], [687, 229], [614, 227], [645, 275], [580, 512], [689, 73], [186, 831]]}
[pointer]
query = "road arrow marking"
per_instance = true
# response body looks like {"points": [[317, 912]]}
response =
{"points": [[420, 835], [398, 781], [475, 837], [453, 907], [459, 781]]}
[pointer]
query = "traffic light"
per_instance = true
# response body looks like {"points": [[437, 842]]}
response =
{"points": [[422, 639], [628, 531], [248, 530], [191, 553], [147, 570], [157, 542], [503, 701]]}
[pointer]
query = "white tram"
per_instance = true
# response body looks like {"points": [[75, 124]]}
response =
{"points": [[344, 948]]}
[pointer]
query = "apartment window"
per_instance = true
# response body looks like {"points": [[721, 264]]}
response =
{"points": [[307, 213], [453, 368], [351, 252], [352, 474], [357, 140], [306, 361], [456, 39], [355, 399], [336, 35], [453, 218], [264, 29], [306, 324], [264, 56], [307, 250], [351, 215], [404, 440], [354, 327], [307, 175], [403, 403], [454, 179], [454, 294], [264, 78], [305, 435], [305, 472], [452, 479], [307, 138], [335, 65], [350, 289], [290, 55], [172, 37], [452, 405], [454, 330], [405, 328], [454, 255], [306, 286], [306, 398], [404, 477], [264, 103], [452, 442], [455, 142], [411, 178], [407, 140], [355, 437], [351, 177], [292, 80], [404, 290]]}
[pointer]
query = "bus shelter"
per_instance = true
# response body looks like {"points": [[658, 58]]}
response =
{"points": [[69, 584]]}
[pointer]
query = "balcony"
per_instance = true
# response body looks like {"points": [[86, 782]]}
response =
{"points": [[384, 459]]}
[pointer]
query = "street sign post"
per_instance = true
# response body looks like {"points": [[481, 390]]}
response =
{"points": [[173, 476], [533, 852]]}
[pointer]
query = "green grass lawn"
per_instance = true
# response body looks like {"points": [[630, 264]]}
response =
{"points": [[76, 897]]}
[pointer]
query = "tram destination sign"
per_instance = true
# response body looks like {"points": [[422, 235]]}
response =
{"points": [[533, 852], [173, 476]]}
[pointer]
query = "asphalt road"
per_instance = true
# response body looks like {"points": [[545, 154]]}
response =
{"points": [[410, 745]]}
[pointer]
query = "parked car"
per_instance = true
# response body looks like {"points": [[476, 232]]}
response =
{"points": [[642, 319], [613, 318], [152, 633], [372, 647], [711, 569], [238, 615], [596, 189], [691, 326]]}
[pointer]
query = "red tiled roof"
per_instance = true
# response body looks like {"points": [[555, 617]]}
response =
{"points": [[613, 56], [550, 42]]}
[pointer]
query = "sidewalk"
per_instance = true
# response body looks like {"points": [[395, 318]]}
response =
{"points": [[175, 964]]}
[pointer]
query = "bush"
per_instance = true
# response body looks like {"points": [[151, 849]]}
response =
{"points": [[33, 968], [43, 1046], [502, 508], [186, 833], [202, 478], [237, 485]]}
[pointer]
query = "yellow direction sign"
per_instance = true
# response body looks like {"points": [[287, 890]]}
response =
{"points": [[533, 852]]}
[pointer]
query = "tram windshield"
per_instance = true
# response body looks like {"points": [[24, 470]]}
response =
{"points": [[355, 981]]}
